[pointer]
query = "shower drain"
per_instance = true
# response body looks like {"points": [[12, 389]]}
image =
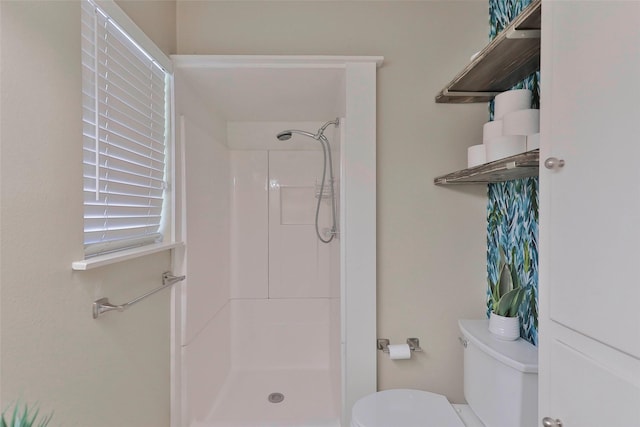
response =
{"points": [[275, 397]]}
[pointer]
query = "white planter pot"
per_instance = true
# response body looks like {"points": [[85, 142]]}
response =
{"points": [[504, 328]]}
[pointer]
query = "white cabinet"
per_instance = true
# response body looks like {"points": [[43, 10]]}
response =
{"points": [[590, 214]]}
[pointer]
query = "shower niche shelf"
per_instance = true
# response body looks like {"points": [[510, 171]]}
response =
{"points": [[510, 57], [515, 167]]}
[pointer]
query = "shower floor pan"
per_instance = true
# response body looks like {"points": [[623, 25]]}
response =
{"points": [[247, 400]]}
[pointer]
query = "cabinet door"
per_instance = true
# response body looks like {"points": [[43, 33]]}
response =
{"points": [[590, 213]]}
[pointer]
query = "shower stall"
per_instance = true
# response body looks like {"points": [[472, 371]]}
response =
{"points": [[275, 324]]}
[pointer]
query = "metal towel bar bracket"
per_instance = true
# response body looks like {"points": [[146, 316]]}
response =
{"points": [[103, 305]]}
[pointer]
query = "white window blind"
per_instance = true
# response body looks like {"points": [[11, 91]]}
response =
{"points": [[125, 134]]}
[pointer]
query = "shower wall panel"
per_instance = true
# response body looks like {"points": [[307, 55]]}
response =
{"points": [[284, 283], [299, 264], [207, 367], [206, 311], [207, 232], [280, 334], [275, 252], [249, 225]]}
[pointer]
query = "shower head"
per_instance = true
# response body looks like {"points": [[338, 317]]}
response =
{"points": [[284, 135]]}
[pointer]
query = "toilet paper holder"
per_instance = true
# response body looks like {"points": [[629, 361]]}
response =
{"points": [[383, 344]]}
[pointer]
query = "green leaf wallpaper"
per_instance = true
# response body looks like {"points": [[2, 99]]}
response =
{"points": [[512, 225], [512, 210]]}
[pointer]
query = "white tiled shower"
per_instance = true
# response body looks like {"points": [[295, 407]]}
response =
{"points": [[281, 325]]}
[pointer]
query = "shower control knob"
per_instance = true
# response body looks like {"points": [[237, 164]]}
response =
{"points": [[551, 422], [553, 163]]}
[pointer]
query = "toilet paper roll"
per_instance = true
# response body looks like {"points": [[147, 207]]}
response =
{"points": [[533, 141], [523, 122], [505, 146], [491, 130], [511, 100], [399, 351], [476, 155]]}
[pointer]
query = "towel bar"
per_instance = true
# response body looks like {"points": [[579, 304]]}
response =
{"points": [[103, 305]]}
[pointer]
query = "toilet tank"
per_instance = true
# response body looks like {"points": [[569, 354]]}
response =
{"points": [[500, 377]]}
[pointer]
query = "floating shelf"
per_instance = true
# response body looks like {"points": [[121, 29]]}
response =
{"points": [[510, 57], [515, 167]]}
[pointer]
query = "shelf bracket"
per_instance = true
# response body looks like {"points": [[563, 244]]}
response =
{"points": [[523, 34], [515, 167], [447, 92]]}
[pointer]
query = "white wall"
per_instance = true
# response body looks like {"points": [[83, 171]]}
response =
{"points": [[431, 241], [114, 370], [206, 310], [156, 18]]}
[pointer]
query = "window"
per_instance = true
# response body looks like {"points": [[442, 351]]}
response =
{"points": [[126, 98]]}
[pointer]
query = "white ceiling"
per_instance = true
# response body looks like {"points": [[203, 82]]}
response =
{"points": [[271, 94]]}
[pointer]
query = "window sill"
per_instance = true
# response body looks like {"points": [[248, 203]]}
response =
{"points": [[102, 260]]}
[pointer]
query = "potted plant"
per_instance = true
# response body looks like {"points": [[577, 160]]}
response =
{"points": [[24, 418], [506, 297]]}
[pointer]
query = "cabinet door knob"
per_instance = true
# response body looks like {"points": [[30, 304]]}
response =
{"points": [[553, 163], [550, 422]]}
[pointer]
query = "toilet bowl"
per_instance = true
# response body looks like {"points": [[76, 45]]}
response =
{"points": [[410, 408], [500, 385]]}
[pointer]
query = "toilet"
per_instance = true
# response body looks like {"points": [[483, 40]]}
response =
{"points": [[500, 386]]}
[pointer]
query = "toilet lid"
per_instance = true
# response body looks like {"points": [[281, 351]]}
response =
{"points": [[406, 408]]}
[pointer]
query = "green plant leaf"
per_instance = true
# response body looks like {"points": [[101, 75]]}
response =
{"points": [[515, 304], [33, 418], [515, 280], [505, 283], [16, 417], [495, 294], [46, 420], [22, 418], [506, 302]]}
